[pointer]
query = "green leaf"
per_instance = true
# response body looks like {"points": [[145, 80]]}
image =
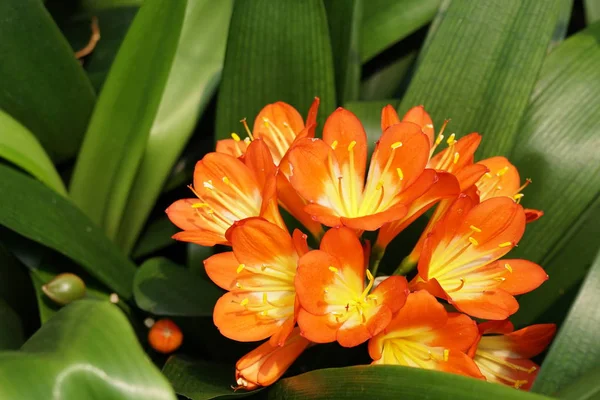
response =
{"points": [[21, 148], [275, 51], [391, 382], [386, 82], [43, 85], [576, 349], [157, 236], [562, 24], [386, 22], [196, 255], [42, 215], [369, 113], [192, 82], [201, 380], [345, 19], [592, 11], [555, 149], [162, 287], [11, 330], [100, 4], [585, 388], [86, 351], [116, 137], [481, 73]]}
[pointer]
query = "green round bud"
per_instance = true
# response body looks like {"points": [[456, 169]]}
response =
{"points": [[65, 288]]}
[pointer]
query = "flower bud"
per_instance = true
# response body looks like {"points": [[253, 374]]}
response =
{"points": [[65, 288], [165, 336]]}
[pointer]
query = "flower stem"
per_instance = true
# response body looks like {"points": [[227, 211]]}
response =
{"points": [[376, 256], [407, 265]]}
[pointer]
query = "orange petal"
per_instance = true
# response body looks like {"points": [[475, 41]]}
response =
{"points": [[375, 221], [524, 276], [351, 334], [343, 244], [259, 242], [311, 118], [315, 328], [278, 124], [309, 174], [521, 378], [465, 147], [323, 215], [312, 277], [279, 337], [389, 117], [495, 304], [503, 178], [182, 214], [222, 269], [469, 175], [524, 343], [294, 204], [420, 310], [201, 237], [259, 161], [431, 286], [533, 215], [459, 332], [408, 149], [344, 132], [461, 364], [392, 292], [300, 243], [235, 148], [269, 209], [496, 327], [419, 116], [235, 322]]}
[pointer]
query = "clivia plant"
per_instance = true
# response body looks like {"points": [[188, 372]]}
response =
{"points": [[317, 199]]}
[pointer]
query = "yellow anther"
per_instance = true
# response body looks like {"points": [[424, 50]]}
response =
{"points": [[474, 228], [400, 173], [238, 285], [333, 269], [439, 139], [199, 205], [519, 383], [531, 370], [372, 297], [446, 354], [264, 298], [379, 185], [488, 175], [505, 244], [473, 241], [240, 268], [369, 276], [518, 196], [208, 184], [502, 171], [351, 145], [334, 144], [226, 180], [430, 126], [508, 267], [396, 145], [451, 140], [235, 137], [456, 157], [244, 302]]}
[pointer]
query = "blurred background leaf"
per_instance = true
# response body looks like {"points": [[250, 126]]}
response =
{"points": [[576, 349], [43, 85], [481, 74], [62, 227], [276, 51], [192, 81], [107, 164], [385, 82], [585, 388], [87, 351], [592, 10], [19, 146]]}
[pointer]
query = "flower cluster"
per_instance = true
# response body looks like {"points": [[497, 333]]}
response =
{"points": [[280, 289]]}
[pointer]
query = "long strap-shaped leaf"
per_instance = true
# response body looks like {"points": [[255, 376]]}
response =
{"points": [[192, 82], [19, 146], [277, 50], [576, 349], [40, 214], [480, 65], [116, 138], [391, 382], [556, 148], [43, 86]]}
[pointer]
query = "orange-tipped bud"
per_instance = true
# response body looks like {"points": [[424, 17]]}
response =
{"points": [[165, 336]]}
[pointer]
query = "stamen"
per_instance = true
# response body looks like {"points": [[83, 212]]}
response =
{"points": [[488, 175], [226, 181], [508, 267], [334, 144], [439, 139], [473, 241], [235, 137], [265, 300], [396, 145], [502, 171], [351, 145], [333, 269], [208, 184], [456, 157], [400, 173], [244, 302], [505, 244], [446, 355], [248, 131], [200, 205], [451, 139], [240, 268], [462, 284], [474, 228]]}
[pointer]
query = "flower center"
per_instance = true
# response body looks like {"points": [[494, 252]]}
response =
{"points": [[500, 368], [346, 302]]}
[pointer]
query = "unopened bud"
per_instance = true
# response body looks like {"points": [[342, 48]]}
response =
{"points": [[65, 288]]}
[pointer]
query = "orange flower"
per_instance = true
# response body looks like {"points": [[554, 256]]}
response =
{"points": [[259, 275], [459, 257], [505, 357], [268, 362], [335, 303], [227, 190], [423, 335], [279, 125], [330, 173]]}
